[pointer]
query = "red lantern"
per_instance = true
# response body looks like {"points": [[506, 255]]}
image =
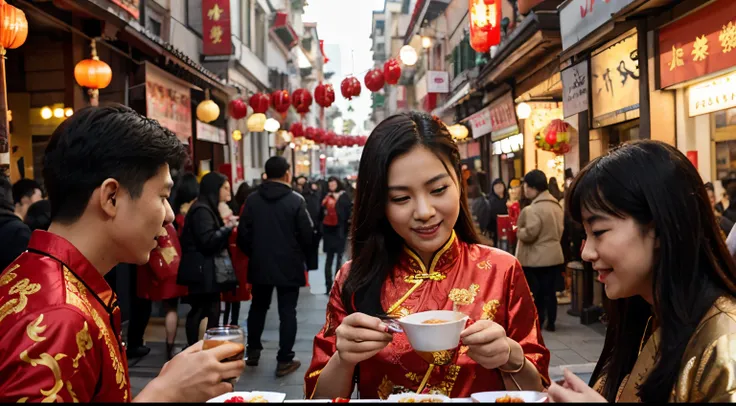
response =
{"points": [[551, 138], [280, 101], [310, 133], [259, 103], [350, 87], [392, 71], [485, 24], [329, 138], [356, 86], [320, 135], [237, 109], [297, 129], [324, 95], [374, 80], [301, 100]]}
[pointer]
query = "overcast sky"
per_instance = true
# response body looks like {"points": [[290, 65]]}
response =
{"points": [[347, 23]]}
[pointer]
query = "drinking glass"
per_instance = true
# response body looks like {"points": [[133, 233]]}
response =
{"points": [[220, 335]]}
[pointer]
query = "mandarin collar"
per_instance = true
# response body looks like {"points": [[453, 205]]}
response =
{"points": [[441, 262], [59, 248]]}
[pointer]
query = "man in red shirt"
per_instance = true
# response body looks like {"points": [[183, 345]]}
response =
{"points": [[106, 170]]}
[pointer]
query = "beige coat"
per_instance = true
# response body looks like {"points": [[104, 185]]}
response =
{"points": [[539, 233]]}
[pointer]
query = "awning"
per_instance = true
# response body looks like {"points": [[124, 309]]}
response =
{"points": [[284, 31], [424, 10], [464, 91]]}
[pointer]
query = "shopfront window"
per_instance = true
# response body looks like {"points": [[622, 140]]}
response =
{"points": [[725, 142]]}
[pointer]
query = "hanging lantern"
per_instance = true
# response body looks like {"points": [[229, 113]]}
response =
{"points": [[237, 109], [374, 80], [458, 131], [310, 133], [555, 137], [356, 86], [324, 95], [408, 55], [485, 24], [272, 125], [392, 71], [207, 111], [350, 87], [297, 129], [523, 111], [14, 27], [280, 101], [302, 101], [92, 73], [237, 135], [259, 102], [256, 122]]}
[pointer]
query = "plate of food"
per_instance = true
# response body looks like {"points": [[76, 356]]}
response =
{"points": [[249, 397], [415, 398], [509, 397]]}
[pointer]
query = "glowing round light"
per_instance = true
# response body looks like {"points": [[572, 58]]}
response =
{"points": [[58, 112], [408, 55], [322, 156], [426, 42], [523, 110], [46, 113], [68, 112], [305, 148], [272, 125], [256, 122], [237, 135], [292, 145], [306, 162], [551, 164], [286, 136]]}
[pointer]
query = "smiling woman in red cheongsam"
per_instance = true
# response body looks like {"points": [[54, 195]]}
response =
{"points": [[415, 249]]}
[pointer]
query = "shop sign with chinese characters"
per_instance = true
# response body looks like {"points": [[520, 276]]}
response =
{"points": [[713, 95], [614, 82], [480, 122], [575, 89], [579, 18], [207, 132], [514, 143], [216, 27], [702, 43], [503, 117]]}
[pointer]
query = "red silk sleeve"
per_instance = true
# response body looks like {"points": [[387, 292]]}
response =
{"points": [[521, 309], [325, 341], [52, 356]]}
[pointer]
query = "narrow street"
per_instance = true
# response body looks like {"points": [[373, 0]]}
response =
{"points": [[573, 345]]}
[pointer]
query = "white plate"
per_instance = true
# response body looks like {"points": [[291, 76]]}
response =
{"points": [[398, 397], [271, 397], [528, 396]]}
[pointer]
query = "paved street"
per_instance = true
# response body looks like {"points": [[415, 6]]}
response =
{"points": [[573, 345]]}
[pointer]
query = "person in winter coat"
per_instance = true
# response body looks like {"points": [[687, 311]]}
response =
{"points": [[204, 237], [335, 217], [480, 208], [313, 196], [539, 249], [499, 197], [14, 234], [275, 232]]}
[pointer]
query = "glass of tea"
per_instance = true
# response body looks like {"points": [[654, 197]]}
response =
{"points": [[220, 335]]}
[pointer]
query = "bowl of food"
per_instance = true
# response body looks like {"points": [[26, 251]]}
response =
{"points": [[249, 397], [415, 398], [436, 330], [509, 397]]}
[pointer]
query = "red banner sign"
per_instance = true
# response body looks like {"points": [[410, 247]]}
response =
{"points": [[216, 27], [503, 117], [702, 43]]}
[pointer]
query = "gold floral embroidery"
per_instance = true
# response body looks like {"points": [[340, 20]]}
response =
{"points": [[486, 265], [464, 297], [442, 357], [32, 330], [489, 310], [434, 276], [385, 388], [71, 392], [24, 399], [446, 386], [168, 254], [23, 289], [412, 376], [84, 343], [464, 349], [9, 276]]}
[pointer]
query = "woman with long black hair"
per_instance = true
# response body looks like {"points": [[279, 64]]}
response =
{"points": [[205, 236], [653, 238], [415, 249]]}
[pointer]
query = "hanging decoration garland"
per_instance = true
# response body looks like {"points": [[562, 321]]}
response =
{"points": [[392, 71], [301, 99], [374, 80], [259, 102], [280, 101], [350, 87], [324, 95], [297, 129], [237, 109]]}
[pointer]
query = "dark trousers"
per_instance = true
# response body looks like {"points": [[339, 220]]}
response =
{"points": [[140, 312], [328, 268], [542, 284], [235, 308], [287, 297], [205, 305]]}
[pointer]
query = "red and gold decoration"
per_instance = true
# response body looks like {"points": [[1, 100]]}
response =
{"points": [[302, 101], [297, 129], [259, 102], [555, 137], [392, 71], [93, 74], [324, 95], [13, 33], [237, 109], [280, 101], [374, 80], [310, 133], [350, 87], [237, 135], [216, 36], [485, 24]]}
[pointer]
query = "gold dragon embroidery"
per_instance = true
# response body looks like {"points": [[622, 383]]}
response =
{"points": [[34, 330]]}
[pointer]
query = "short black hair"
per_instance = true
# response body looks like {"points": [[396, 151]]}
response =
{"points": [[24, 188], [39, 215], [98, 143], [537, 180], [276, 167], [6, 194]]}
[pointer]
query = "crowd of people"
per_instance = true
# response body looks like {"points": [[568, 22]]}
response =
{"points": [[650, 228]]}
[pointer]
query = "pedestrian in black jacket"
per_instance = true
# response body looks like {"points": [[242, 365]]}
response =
{"points": [[14, 234], [498, 198], [313, 197], [336, 208], [204, 237], [275, 232]]}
